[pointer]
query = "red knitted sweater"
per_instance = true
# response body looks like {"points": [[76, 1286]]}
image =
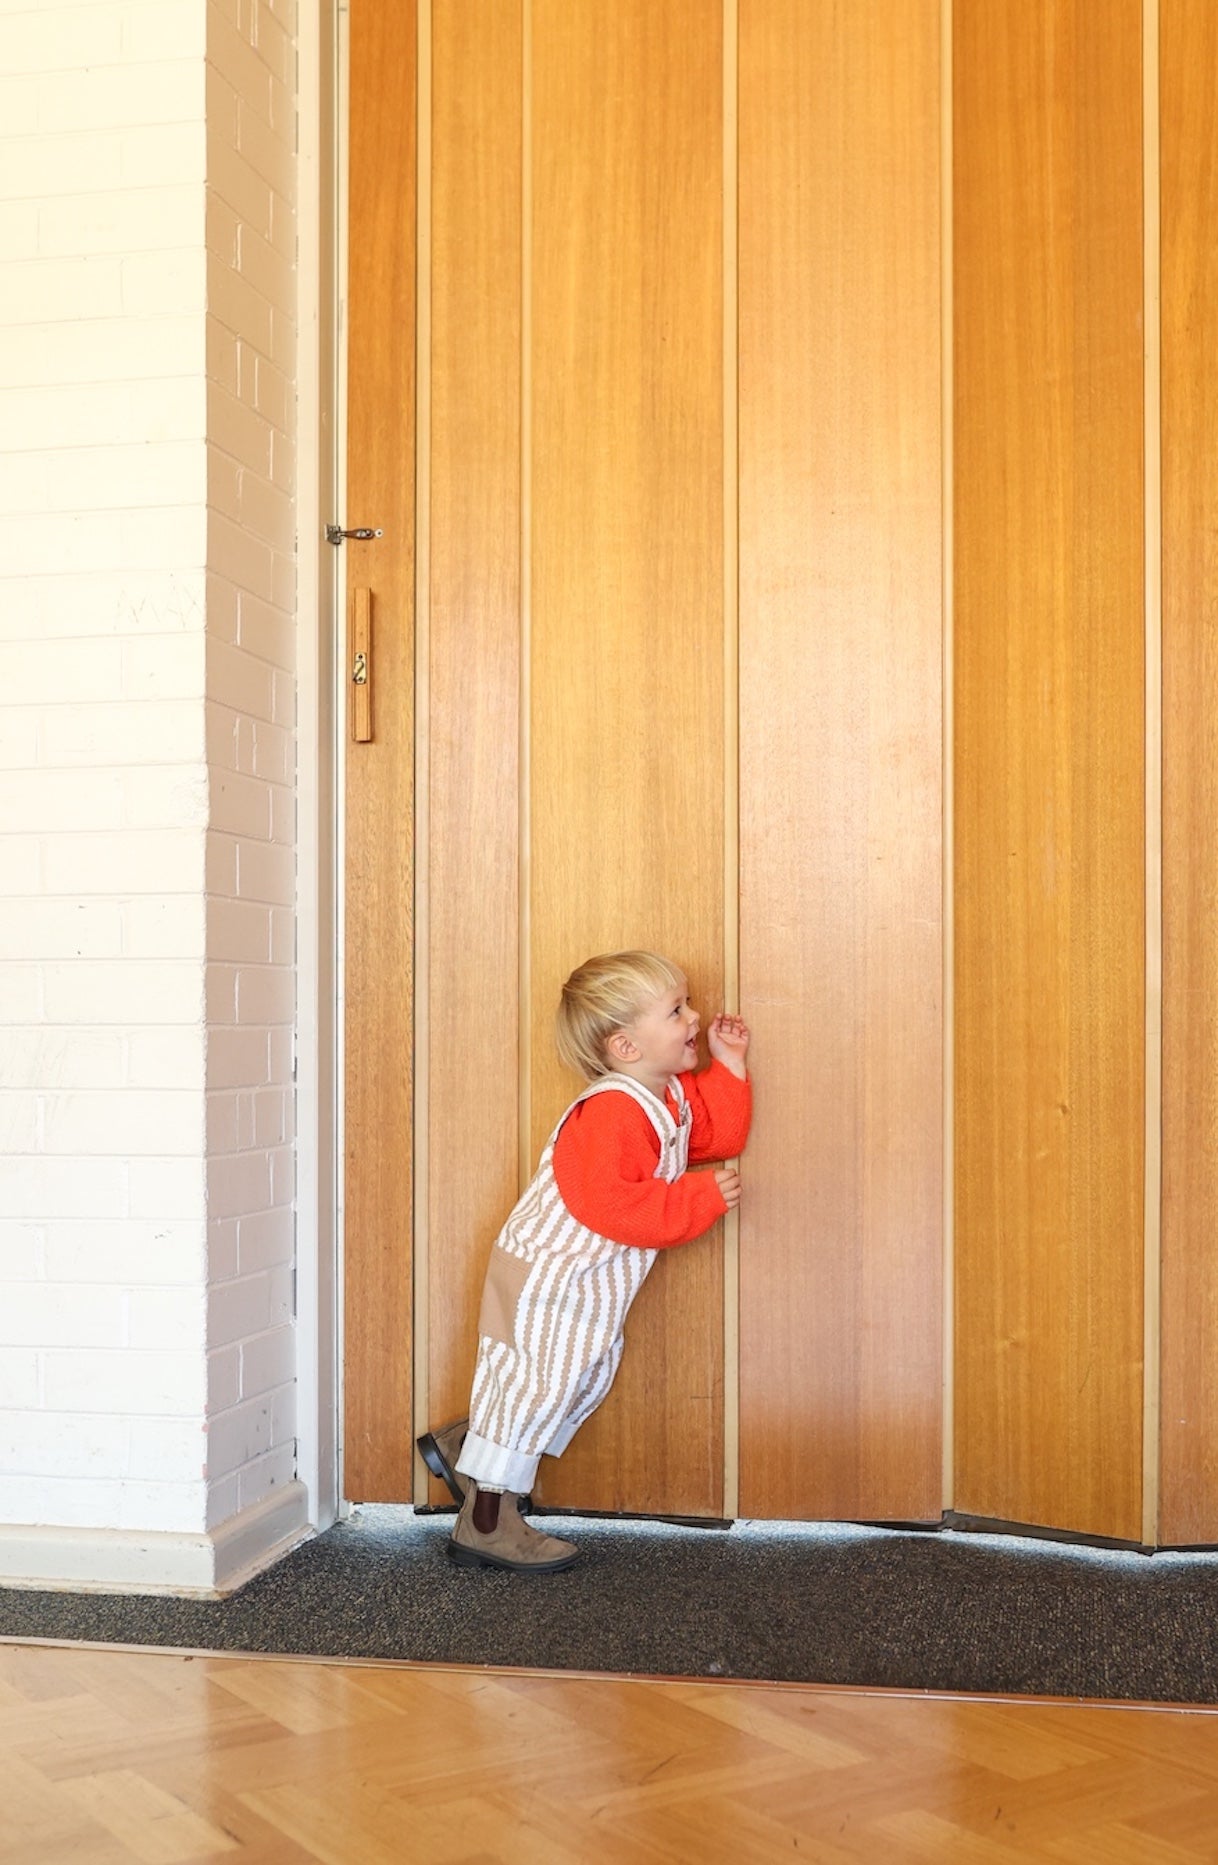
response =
{"points": [[606, 1155]]}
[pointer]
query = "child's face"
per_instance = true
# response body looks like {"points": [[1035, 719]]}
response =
{"points": [[666, 1034]]}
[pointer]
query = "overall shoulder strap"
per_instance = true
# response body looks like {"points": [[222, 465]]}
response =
{"points": [[655, 1110]]}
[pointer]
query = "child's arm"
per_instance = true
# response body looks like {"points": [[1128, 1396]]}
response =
{"points": [[721, 1097], [604, 1161]]}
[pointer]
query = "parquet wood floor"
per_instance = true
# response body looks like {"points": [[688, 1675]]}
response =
{"points": [[111, 1756]]}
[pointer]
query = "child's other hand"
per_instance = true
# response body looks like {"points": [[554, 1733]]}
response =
{"points": [[728, 1181], [728, 1041]]}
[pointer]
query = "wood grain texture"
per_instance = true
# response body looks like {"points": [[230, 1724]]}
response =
{"points": [[112, 1757], [841, 758], [474, 669], [377, 1298], [1049, 801], [627, 598], [1189, 207]]}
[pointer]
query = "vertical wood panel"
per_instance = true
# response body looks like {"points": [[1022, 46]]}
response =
{"points": [[841, 756], [1189, 201], [1049, 900], [377, 1291], [474, 667], [627, 597]]}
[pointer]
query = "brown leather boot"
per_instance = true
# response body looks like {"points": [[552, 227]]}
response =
{"points": [[511, 1545], [440, 1451]]}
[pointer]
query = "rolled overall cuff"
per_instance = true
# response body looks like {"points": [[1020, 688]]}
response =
{"points": [[496, 1466]]}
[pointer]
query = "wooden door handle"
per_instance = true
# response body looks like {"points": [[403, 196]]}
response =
{"points": [[359, 662]]}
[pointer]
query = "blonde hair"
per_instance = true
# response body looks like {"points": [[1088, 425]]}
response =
{"points": [[603, 995]]}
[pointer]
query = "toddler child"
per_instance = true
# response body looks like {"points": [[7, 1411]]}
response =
{"points": [[610, 1191]]}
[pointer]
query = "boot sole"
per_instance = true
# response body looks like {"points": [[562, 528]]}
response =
{"points": [[469, 1557], [439, 1466]]}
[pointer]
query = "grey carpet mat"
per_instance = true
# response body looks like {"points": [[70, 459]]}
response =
{"points": [[820, 1604]]}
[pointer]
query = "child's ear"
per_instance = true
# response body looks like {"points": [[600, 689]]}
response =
{"points": [[620, 1048]]}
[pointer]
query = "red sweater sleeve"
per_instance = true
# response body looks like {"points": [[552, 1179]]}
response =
{"points": [[604, 1161], [723, 1110]]}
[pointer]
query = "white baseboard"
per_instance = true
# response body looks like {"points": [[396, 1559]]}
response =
{"points": [[115, 1560]]}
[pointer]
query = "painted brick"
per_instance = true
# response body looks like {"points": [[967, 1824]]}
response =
{"points": [[165, 1057], [237, 1311], [70, 1443], [167, 1318], [20, 1121], [171, 1507], [237, 930], [53, 1501], [22, 1251], [38, 42], [159, 991], [166, 798], [153, 29], [130, 861], [43, 1057], [283, 1416], [265, 994], [223, 1378], [42, 929], [19, 1378], [266, 873], [223, 1499], [267, 1361], [53, 1188], [115, 96], [62, 671], [90, 414], [18, 732], [239, 554], [21, 863], [101, 478], [237, 1436], [53, 353], [166, 926], [164, 666], [42, 1314], [171, 1449], [221, 988], [132, 1121], [237, 1183], [89, 736], [147, 534], [147, 219], [257, 1480], [164, 282], [266, 1240], [133, 1252], [224, 1124], [240, 805], [123, 1381], [56, 799], [236, 680], [238, 1058], [166, 1188]]}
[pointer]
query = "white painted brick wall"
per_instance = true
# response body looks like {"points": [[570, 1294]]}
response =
{"points": [[147, 759], [250, 980]]}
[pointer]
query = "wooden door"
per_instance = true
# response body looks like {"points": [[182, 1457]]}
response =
{"points": [[668, 463]]}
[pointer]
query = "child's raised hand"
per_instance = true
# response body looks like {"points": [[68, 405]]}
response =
{"points": [[728, 1041], [728, 1181]]}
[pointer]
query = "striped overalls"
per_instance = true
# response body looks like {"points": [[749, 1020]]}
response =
{"points": [[554, 1305]]}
